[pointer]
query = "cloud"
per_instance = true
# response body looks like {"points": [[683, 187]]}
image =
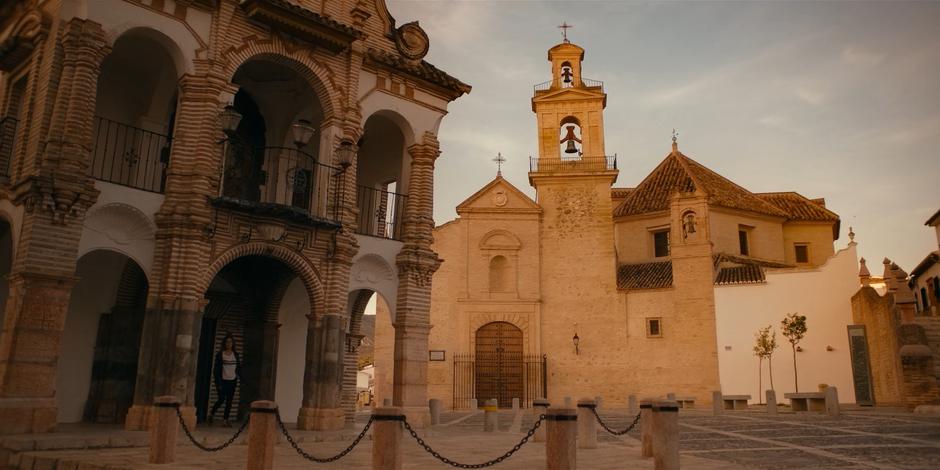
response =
{"points": [[854, 56], [813, 97]]}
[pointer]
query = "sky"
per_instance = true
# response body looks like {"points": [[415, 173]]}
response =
{"points": [[834, 99]]}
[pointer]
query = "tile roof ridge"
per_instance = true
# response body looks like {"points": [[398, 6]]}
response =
{"points": [[684, 163]]}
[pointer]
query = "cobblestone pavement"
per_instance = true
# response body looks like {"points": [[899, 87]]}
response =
{"points": [[734, 440]]}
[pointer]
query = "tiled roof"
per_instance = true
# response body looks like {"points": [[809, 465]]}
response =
{"points": [[620, 192], [745, 274], [798, 207], [679, 173], [422, 70], [645, 276]]}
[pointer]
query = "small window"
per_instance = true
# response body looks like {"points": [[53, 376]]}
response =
{"points": [[654, 328], [802, 252], [661, 243], [743, 242]]}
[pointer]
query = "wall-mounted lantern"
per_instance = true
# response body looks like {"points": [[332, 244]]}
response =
{"points": [[302, 131], [229, 119], [345, 153]]}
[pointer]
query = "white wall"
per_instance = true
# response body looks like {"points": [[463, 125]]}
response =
{"points": [[823, 295], [291, 351]]}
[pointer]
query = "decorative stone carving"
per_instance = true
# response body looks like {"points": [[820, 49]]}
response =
{"points": [[500, 198], [412, 42], [269, 232]]}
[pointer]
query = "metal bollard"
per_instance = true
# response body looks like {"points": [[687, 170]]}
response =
{"points": [[436, 406], [665, 435], [718, 403], [832, 401], [491, 416], [515, 405], [262, 435], [561, 451], [631, 405], [386, 438], [771, 402], [540, 407], [587, 425], [164, 430], [646, 427]]}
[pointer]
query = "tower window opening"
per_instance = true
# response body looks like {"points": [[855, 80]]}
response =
{"points": [[570, 133], [567, 75]]}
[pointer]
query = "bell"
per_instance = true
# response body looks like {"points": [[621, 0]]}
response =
{"points": [[566, 74], [571, 148]]}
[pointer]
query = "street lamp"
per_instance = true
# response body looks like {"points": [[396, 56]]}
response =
{"points": [[229, 119], [577, 341], [302, 131], [345, 153]]}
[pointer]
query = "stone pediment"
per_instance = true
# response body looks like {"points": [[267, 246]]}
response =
{"points": [[573, 93], [498, 195]]}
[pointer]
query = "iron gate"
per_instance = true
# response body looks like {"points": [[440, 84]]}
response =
{"points": [[502, 376]]}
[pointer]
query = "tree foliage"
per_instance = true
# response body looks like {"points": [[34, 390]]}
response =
{"points": [[794, 328]]}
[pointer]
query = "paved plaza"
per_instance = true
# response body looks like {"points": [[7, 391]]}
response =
{"points": [[734, 440]]}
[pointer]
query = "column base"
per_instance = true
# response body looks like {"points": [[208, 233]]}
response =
{"points": [[321, 419], [139, 417], [27, 415], [417, 416]]}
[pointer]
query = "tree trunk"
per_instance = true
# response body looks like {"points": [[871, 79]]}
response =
{"points": [[770, 364], [760, 377], [796, 383]]}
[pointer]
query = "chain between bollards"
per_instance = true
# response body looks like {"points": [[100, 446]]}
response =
{"points": [[204, 447], [489, 463], [616, 433], [306, 456]]}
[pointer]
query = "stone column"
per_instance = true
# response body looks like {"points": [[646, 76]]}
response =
{"points": [[540, 407], [646, 427], [587, 425], [771, 402], [55, 194], [665, 435], [416, 265], [262, 436], [322, 408], [164, 430], [386, 439], [561, 451]]}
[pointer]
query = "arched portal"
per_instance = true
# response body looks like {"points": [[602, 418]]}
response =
{"points": [[97, 368], [499, 366], [379, 176], [369, 370], [247, 301]]}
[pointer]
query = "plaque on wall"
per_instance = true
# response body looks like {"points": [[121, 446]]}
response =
{"points": [[436, 355]]}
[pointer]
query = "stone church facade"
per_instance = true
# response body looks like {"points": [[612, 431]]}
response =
{"points": [[175, 171], [591, 290]]}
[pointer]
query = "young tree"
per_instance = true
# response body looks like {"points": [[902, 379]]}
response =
{"points": [[794, 328], [764, 346]]}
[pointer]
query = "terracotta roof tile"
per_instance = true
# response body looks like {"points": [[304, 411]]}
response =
{"points": [[679, 173], [423, 70], [620, 193], [654, 275], [799, 207], [745, 274]]}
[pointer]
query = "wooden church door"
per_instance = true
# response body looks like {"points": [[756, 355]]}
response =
{"points": [[499, 363]]}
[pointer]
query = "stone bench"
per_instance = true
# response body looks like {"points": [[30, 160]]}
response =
{"points": [[809, 401], [735, 402]]}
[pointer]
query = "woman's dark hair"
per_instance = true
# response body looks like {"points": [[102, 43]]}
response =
{"points": [[228, 336]]}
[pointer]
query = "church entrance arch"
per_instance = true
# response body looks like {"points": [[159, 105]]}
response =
{"points": [[499, 366]]}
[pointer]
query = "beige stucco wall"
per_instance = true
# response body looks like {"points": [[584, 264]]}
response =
{"points": [[823, 295], [634, 237], [817, 235], [766, 238]]}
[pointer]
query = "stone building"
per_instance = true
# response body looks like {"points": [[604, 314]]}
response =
{"points": [[174, 171], [591, 290]]}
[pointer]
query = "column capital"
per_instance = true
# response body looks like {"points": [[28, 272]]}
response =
{"points": [[425, 151]]}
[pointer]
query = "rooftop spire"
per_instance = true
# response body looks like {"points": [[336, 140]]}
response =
{"points": [[499, 159]]}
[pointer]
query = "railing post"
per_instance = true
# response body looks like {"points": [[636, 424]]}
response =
{"points": [[164, 429], [665, 435], [587, 427], [386, 438], [540, 407], [561, 451], [262, 429], [491, 416], [646, 427]]}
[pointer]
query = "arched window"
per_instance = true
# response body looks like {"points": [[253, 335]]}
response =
{"points": [[570, 138], [688, 224], [500, 275]]}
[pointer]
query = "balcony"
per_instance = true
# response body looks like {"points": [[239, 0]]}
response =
{"points": [[129, 156], [7, 141], [587, 82], [279, 181], [545, 165], [380, 212]]}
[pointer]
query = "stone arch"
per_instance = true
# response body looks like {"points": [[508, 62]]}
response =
{"points": [[169, 44], [372, 272], [304, 270], [407, 130], [321, 79], [500, 239], [122, 228], [518, 320]]}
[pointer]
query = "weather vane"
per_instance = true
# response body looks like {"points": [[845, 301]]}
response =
{"points": [[675, 135], [500, 159], [564, 29]]}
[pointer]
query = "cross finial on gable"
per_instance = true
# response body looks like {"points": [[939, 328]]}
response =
{"points": [[675, 140], [500, 159], [564, 30]]}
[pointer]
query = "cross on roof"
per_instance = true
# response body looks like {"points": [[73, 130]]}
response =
{"points": [[564, 29], [499, 159]]}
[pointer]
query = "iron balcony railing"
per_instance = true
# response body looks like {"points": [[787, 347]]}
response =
{"points": [[269, 178], [545, 86], [549, 165], [7, 141], [380, 212], [129, 156]]}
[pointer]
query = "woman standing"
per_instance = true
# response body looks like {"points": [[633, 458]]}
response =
{"points": [[227, 371]]}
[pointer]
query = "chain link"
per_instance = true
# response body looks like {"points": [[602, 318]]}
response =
{"points": [[616, 433], [305, 455], [489, 463], [206, 448]]}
